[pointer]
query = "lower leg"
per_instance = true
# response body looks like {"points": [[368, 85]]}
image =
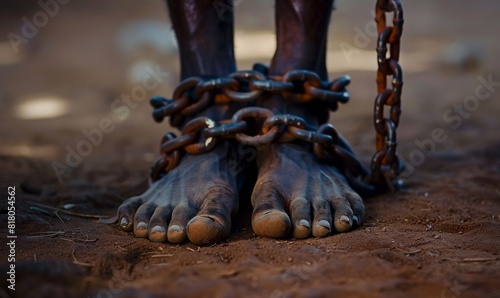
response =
{"points": [[206, 45], [205, 40], [301, 30], [197, 199], [294, 192]]}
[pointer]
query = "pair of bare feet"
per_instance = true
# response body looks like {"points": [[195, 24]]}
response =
{"points": [[294, 195]]}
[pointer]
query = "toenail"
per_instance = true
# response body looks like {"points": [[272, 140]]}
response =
{"points": [[175, 228], [325, 224], [124, 222], [345, 218], [304, 223], [157, 229], [142, 225]]}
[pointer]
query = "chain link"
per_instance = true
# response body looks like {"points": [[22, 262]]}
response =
{"points": [[201, 134]]}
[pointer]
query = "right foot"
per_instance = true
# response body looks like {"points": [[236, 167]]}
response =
{"points": [[195, 201]]}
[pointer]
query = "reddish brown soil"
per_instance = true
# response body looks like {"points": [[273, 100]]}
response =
{"points": [[437, 237]]}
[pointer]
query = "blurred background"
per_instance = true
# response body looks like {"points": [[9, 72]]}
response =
{"points": [[66, 65]]}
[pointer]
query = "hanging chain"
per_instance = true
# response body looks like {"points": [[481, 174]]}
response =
{"points": [[201, 134], [385, 163]]}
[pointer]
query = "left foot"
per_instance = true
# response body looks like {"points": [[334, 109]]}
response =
{"points": [[296, 193]]}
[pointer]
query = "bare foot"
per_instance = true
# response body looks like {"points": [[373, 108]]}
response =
{"points": [[194, 201], [295, 192]]}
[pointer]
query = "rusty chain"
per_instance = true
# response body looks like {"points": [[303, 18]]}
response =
{"points": [[195, 94], [385, 163], [201, 134]]}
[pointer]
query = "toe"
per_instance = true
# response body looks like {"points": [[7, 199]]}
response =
{"points": [[213, 222], [342, 218], [181, 215], [358, 208], [300, 212], [157, 233], [141, 219], [269, 218], [126, 213], [206, 229], [272, 224], [159, 223], [322, 225]]}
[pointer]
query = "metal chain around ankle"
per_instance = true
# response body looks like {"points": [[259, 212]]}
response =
{"points": [[195, 94], [201, 134]]}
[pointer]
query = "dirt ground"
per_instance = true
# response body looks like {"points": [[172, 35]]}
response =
{"points": [[437, 237]]}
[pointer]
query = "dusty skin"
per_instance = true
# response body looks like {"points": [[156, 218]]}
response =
{"points": [[303, 202], [437, 237], [195, 201], [294, 192]]}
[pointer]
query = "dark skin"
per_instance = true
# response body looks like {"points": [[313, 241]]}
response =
{"points": [[294, 194]]}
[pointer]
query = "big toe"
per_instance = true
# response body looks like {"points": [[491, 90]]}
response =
{"points": [[207, 229], [271, 223]]}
